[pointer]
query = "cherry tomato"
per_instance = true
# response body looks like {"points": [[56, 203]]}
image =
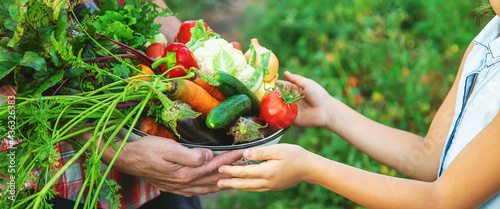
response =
{"points": [[184, 34], [276, 112]]}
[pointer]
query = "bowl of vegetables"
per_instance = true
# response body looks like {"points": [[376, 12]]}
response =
{"points": [[233, 123], [210, 93]]}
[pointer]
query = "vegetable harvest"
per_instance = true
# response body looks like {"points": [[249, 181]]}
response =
{"points": [[75, 75]]}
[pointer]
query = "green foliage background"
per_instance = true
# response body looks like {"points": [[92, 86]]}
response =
{"points": [[404, 54]]}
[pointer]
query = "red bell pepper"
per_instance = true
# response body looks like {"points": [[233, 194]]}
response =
{"points": [[177, 54]]}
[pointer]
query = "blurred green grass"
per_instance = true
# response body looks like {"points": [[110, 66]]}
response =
{"points": [[392, 61]]}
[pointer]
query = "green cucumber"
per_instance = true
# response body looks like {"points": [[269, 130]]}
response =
{"points": [[228, 110], [230, 86]]}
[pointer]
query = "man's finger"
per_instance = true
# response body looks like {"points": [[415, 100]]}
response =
{"points": [[193, 191], [212, 166], [222, 159], [176, 153], [208, 179]]}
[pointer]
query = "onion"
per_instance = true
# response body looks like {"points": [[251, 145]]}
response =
{"points": [[261, 92], [273, 60]]}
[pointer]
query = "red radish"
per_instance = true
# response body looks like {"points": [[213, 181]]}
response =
{"points": [[156, 50], [237, 45]]}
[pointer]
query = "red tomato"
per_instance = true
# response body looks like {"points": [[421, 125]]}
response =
{"points": [[237, 45], [276, 112], [184, 34]]}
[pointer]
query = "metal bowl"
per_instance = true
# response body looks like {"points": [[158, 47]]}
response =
{"points": [[270, 140]]}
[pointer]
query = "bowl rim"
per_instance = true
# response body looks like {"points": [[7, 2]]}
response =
{"points": [[270, 138]]}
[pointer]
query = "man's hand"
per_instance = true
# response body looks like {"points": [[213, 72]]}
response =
{"points": [[171, 167]]}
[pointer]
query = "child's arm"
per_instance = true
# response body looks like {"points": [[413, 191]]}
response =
{"points": [[470, 180], [410, 154]]}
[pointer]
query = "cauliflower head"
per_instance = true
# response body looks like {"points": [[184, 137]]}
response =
{"points": [[213, 52]]}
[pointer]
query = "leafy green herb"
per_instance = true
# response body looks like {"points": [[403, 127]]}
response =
{"points": [[131, 24], [33, 60], [8, 61], [155, 110]]}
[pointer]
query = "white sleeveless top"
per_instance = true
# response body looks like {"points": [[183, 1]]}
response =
{"points": [[478, 97]]}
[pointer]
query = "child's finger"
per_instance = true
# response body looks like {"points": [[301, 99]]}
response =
{"points": [[292, 86], [253, 185], [296, 79], [262, 153], [247, 171], [287, 83]]}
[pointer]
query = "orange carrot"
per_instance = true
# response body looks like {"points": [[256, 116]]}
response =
{"points": [[146, 70], [212, 90], [193, 95], [166, 133], [149, 126]]}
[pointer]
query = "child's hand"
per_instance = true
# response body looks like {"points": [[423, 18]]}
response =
{"points": [[314, 108], [285, 167]]}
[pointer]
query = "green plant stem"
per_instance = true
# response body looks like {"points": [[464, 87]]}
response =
{"points": [[144, 102], [26, 199], [59, 173], [106, 114], [106, 87], [90, 110], [85, 130], [142, 105], [137, 116], [104, 119], [76, 133], [84, 185], [58, 118], [20, 166]]}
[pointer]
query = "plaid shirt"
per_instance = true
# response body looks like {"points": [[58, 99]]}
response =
{"points": [[134, 191]]}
